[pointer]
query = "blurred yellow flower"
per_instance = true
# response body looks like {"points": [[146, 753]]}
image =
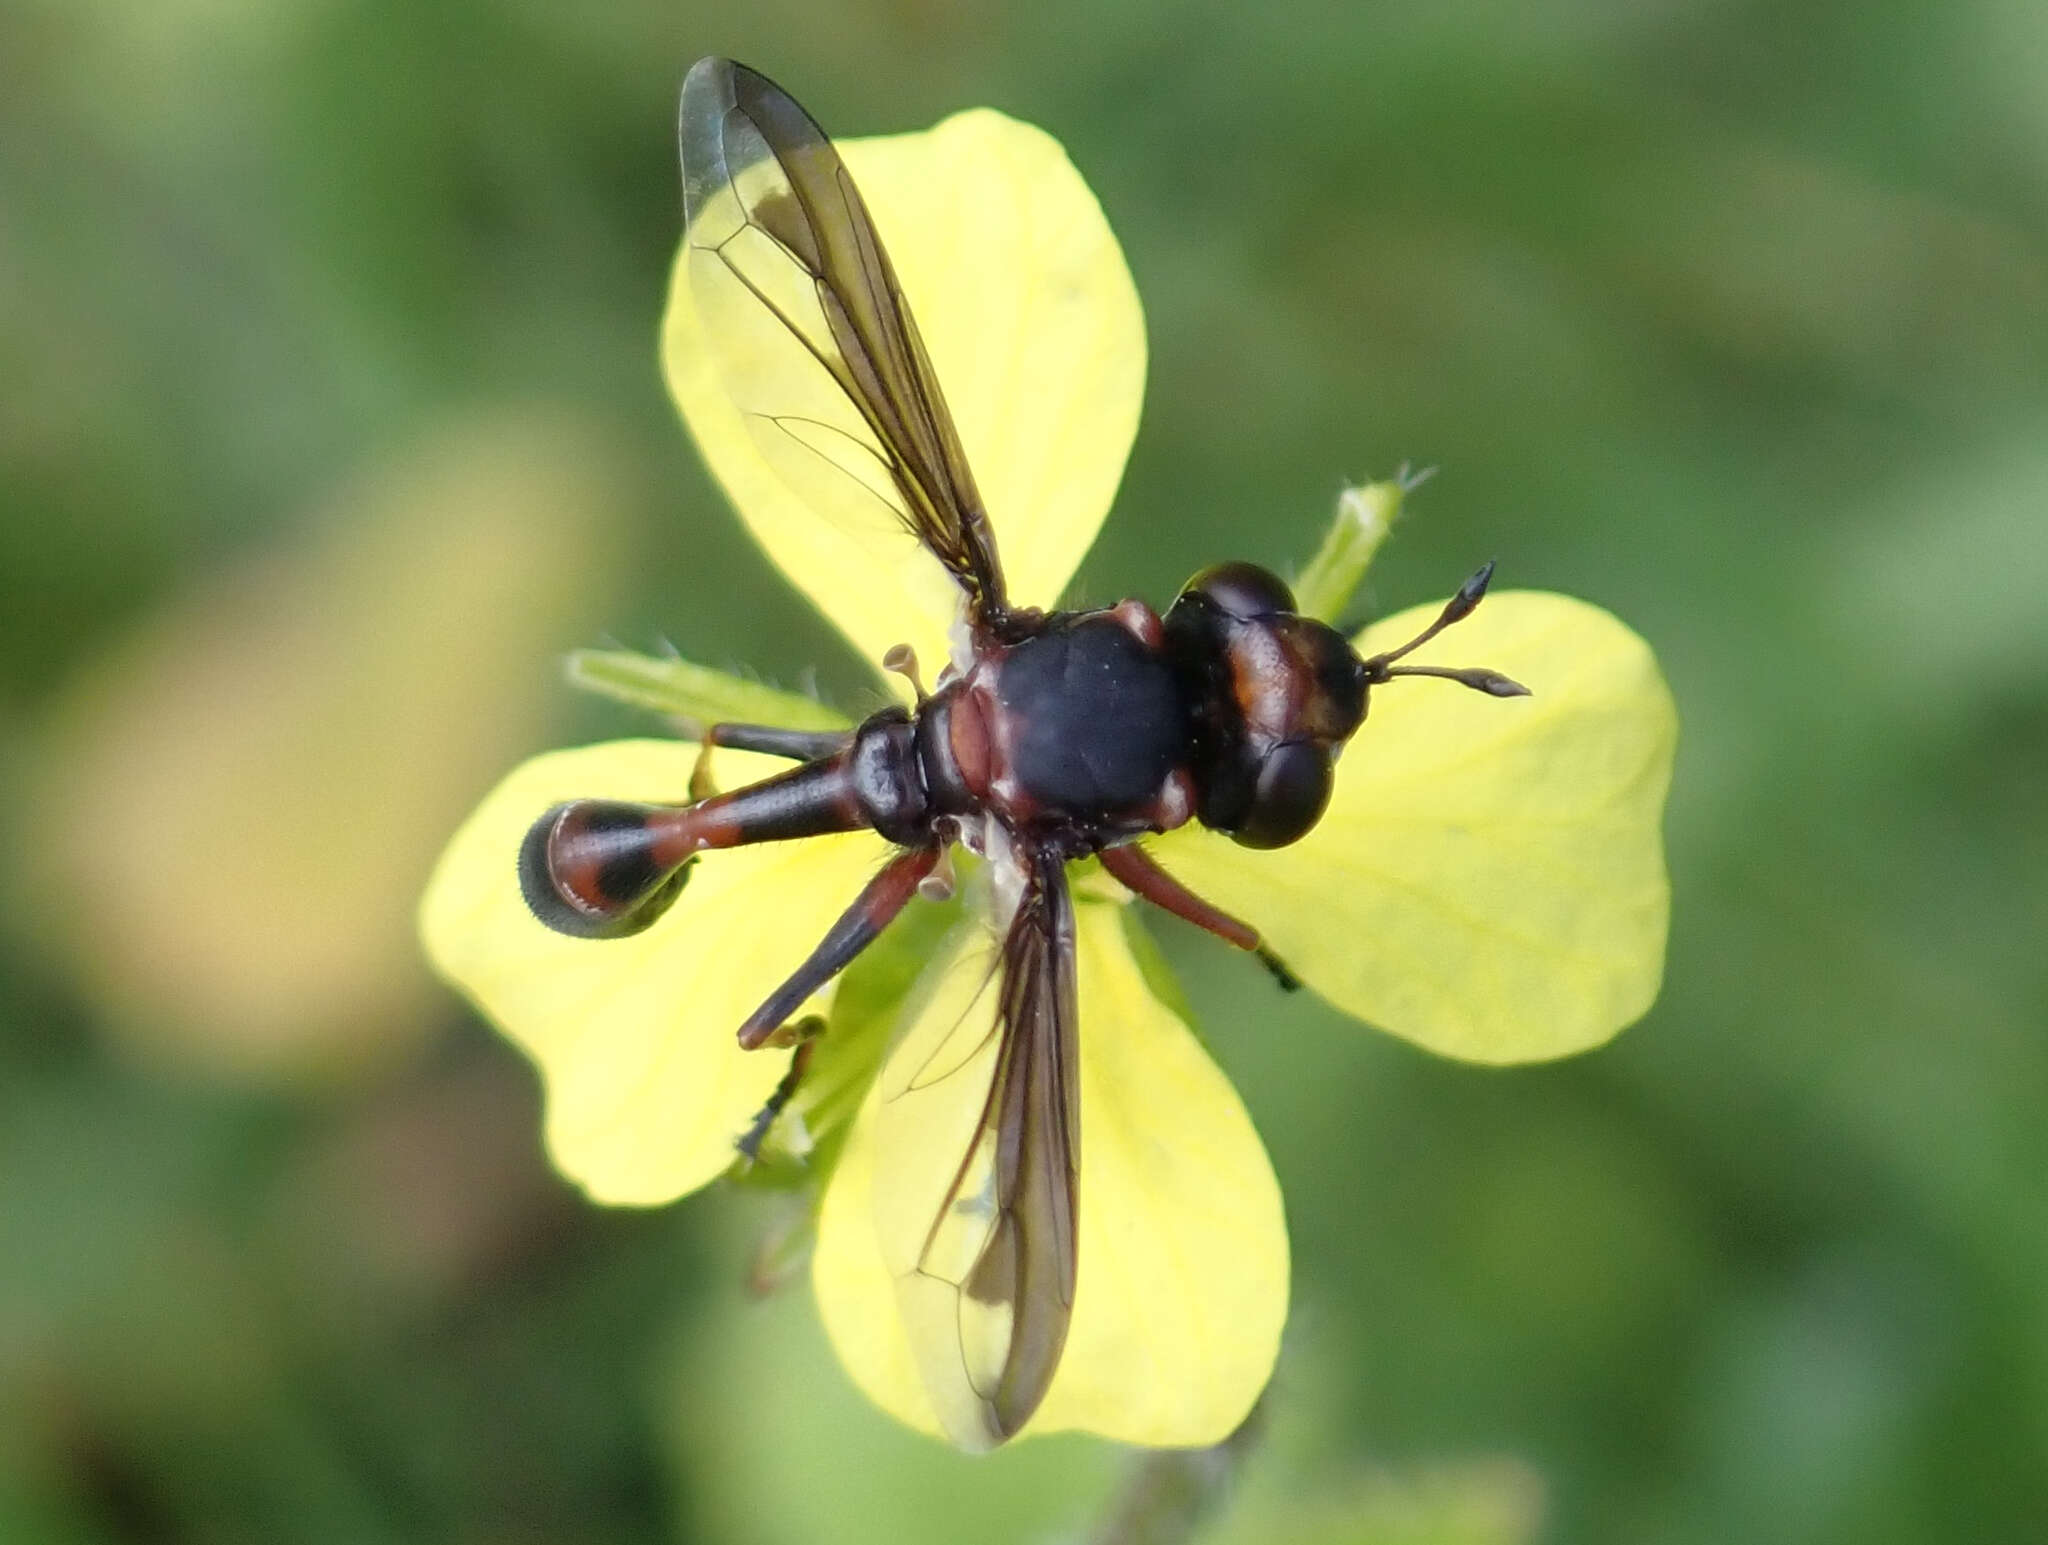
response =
{"points": [[1488, 881], [288, 736]]}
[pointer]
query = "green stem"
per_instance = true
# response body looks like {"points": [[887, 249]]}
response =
{"points": [[1169, 1494]]}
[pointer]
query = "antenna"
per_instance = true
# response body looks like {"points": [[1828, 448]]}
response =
{"points": [[1381, 667]]}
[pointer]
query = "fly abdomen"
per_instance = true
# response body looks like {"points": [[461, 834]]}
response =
{"points": [[601, 868], [604, 868]]}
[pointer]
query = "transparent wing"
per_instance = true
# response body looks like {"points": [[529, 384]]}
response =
{"points": [[814, 339], [977, 1160]]}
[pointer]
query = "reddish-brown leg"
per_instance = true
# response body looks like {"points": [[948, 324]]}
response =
{"points": [[886, 895], [1138, 874]]}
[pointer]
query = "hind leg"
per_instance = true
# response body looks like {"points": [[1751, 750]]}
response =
{"points": [[886, 895]]}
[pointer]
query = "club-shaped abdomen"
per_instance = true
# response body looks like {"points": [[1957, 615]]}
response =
{"points": [[603, 868]]}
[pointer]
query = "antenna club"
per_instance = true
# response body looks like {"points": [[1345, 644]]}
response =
{"points": [[1469, 595]]}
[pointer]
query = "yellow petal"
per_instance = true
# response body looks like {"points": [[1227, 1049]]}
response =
{"points": [[1182, 1283], [1033, 326], [634, 1038], [1489, 879]]}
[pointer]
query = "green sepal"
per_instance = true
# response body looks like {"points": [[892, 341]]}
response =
{"points": [[697, 693], [1365, 515]]}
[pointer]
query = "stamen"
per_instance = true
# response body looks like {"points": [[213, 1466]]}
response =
{"points": [[796, 1032], [701, 787]]}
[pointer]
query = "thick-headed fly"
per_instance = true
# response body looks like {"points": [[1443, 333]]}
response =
{"points": [[1049, 737]]}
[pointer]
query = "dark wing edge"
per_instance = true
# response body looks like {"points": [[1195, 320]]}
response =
{"points": [[1032, 1116], [879, 359]]}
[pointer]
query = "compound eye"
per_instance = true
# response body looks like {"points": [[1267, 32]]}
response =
{"points": [[1243, 590], [1293, 791]]}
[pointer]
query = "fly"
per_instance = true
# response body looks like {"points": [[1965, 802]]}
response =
{"points": [[1050, 737]]}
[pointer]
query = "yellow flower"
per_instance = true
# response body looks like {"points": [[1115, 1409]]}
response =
{"points": [[1488, 880]]}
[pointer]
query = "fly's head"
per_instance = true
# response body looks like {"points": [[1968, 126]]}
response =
{"points": [[1276, 695]]}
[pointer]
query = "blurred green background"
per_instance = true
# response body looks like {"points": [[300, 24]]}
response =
{"points": [[331, 419]]}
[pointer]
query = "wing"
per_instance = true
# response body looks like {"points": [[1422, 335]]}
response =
{"points": [[977, 1156], [814, 338]]}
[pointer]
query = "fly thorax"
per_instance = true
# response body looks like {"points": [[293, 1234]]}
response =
{"points": [[1087, 719]]}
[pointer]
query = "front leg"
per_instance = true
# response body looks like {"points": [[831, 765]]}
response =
{"points": [[1141, 876]]}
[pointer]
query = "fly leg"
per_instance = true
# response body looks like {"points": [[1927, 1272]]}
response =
{"points": [[873, 910], [749, 1144], [798, 745], [1142, 877]]}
